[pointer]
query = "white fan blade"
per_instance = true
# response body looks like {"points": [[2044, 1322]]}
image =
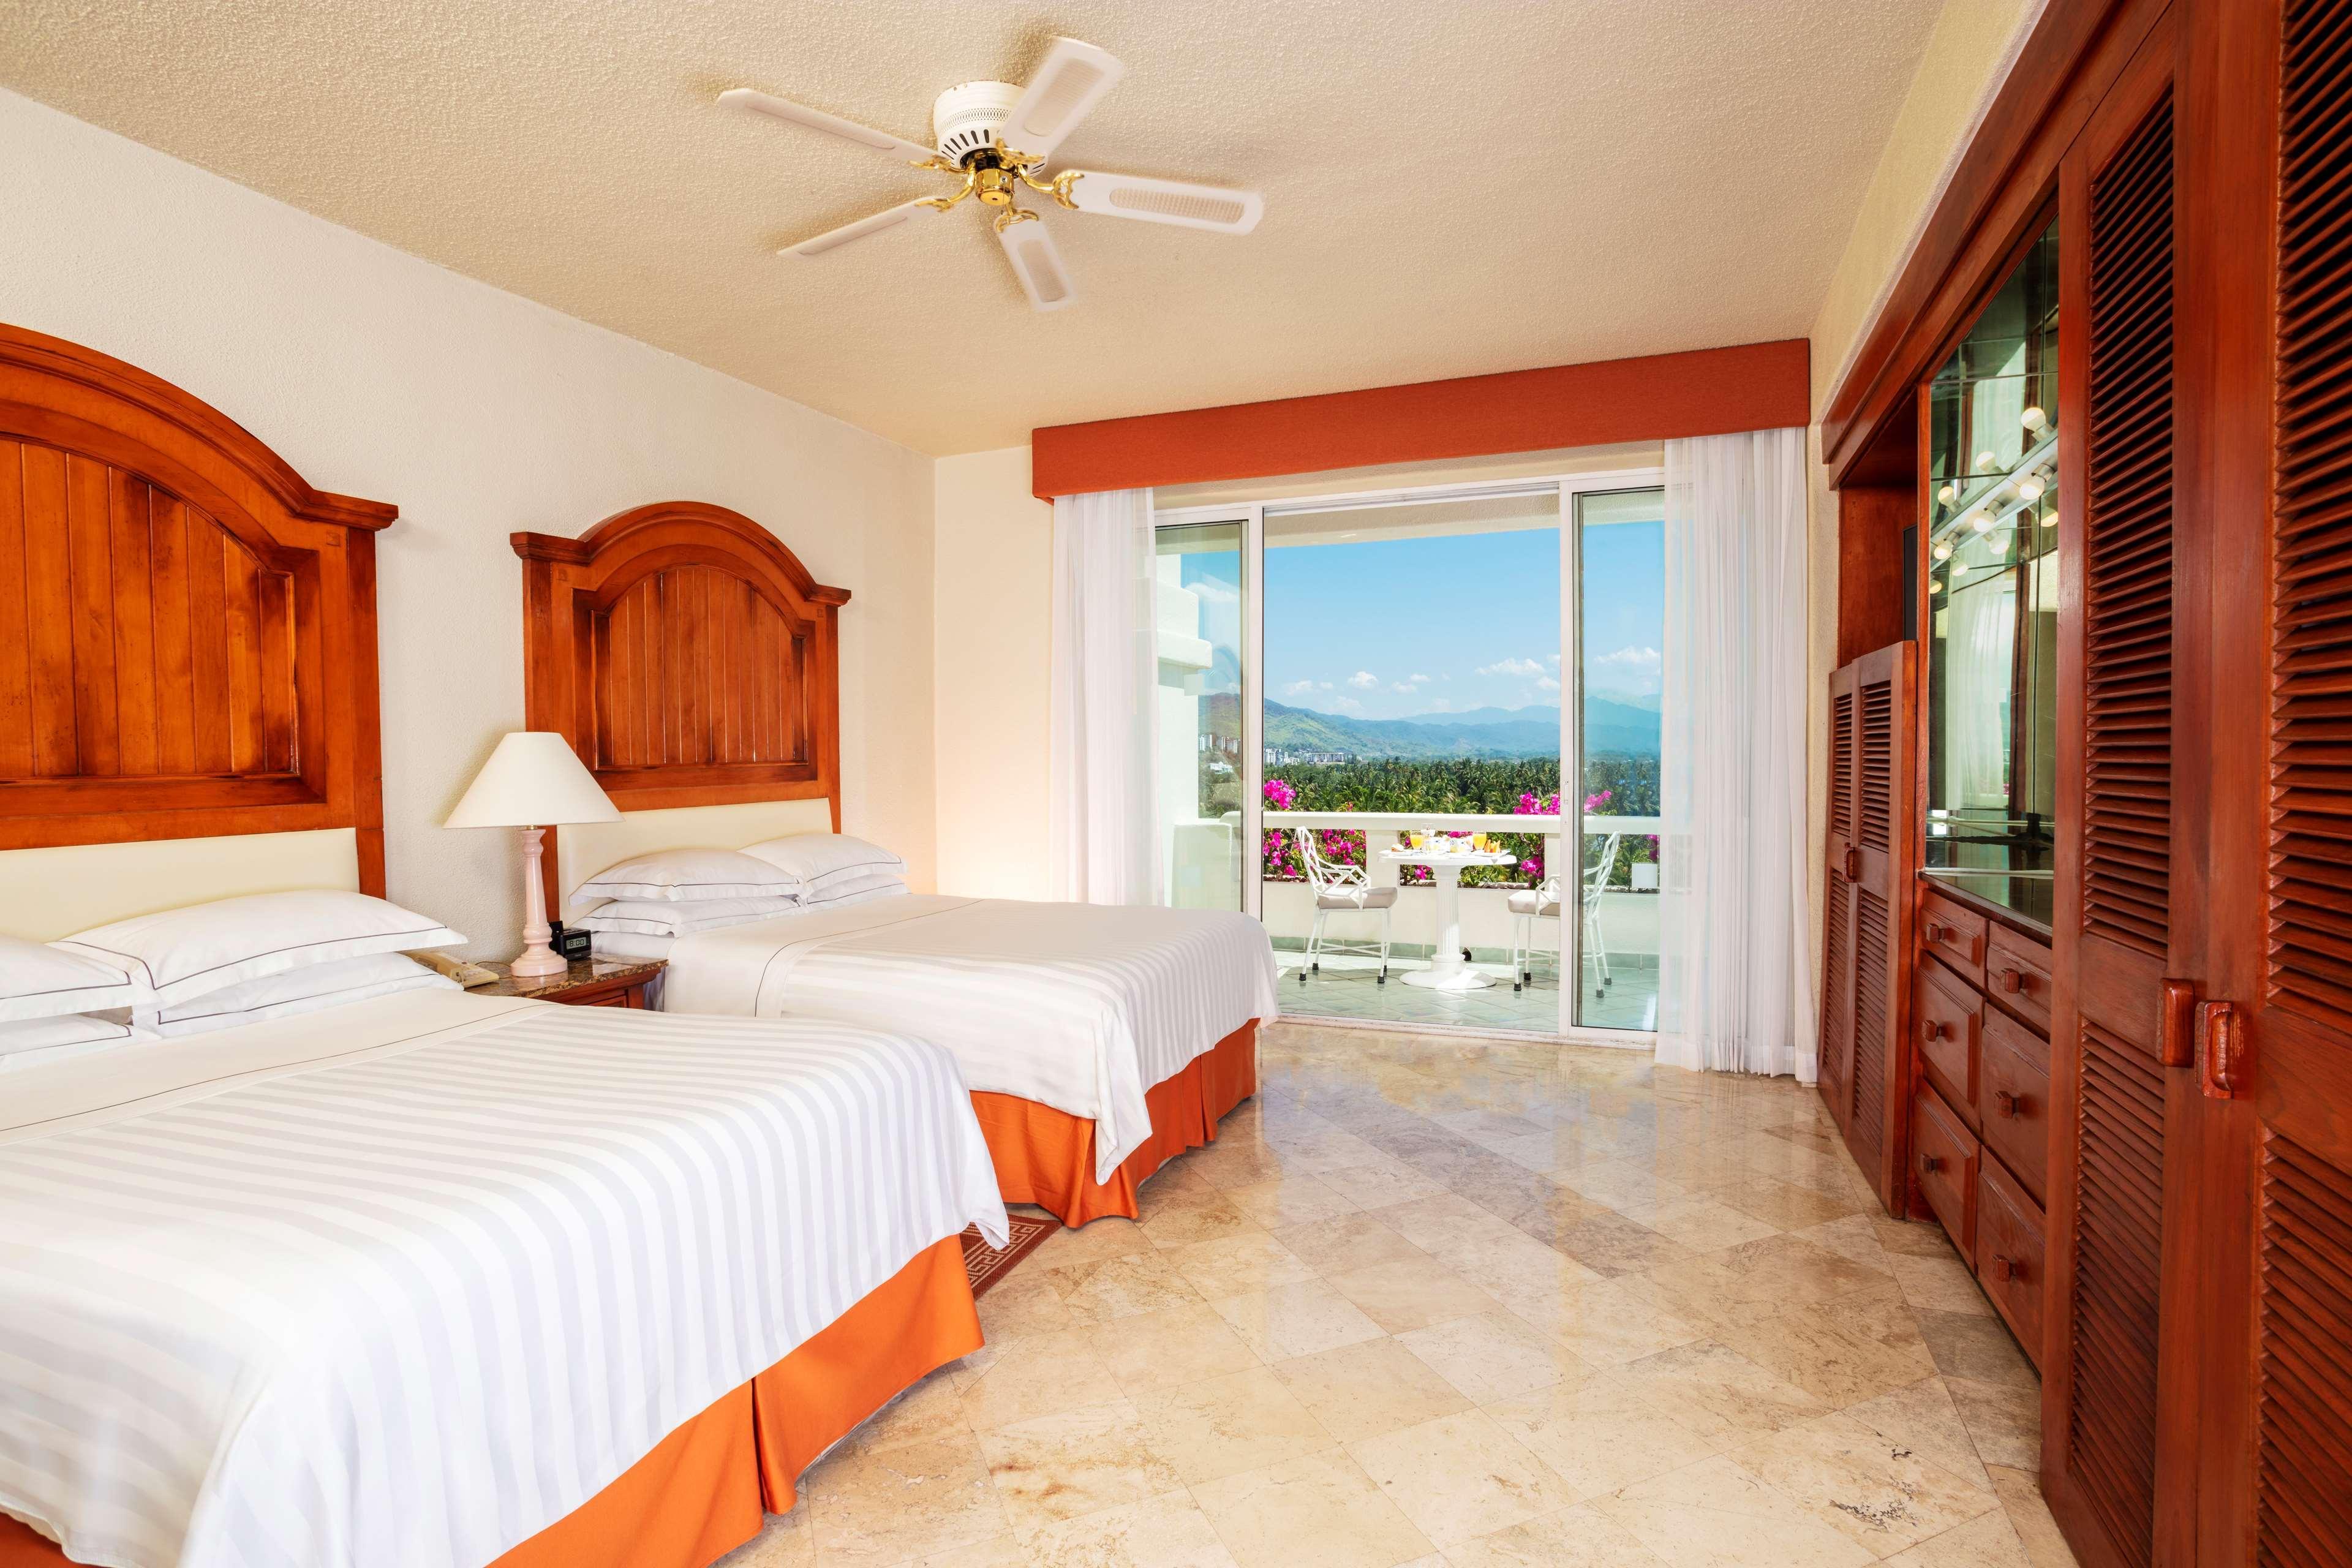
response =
{"points": [[1165, 201], [832, 124], [889, 217], [1030, 247], [1063, 91]]}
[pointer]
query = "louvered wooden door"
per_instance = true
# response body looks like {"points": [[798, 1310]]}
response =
{"points": [[2128, 776], [2269, 1255], [1873, 737], [1836, 1084]]}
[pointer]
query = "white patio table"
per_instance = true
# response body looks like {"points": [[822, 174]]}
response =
{"points": [[1446, 972]]}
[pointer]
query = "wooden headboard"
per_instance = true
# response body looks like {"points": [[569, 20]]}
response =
{"points": [[688, 657], [187, 629]]}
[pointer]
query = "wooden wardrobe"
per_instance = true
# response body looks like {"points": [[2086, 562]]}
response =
{"points": [[2196, 1296]]}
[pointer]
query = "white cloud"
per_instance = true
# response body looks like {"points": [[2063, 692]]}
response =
{"points": [[1546, 683], [1363, 680], [1346, 705], [1551, 658], [1298, 688], [1633, 660], [1416, 680], [1525, 669]]}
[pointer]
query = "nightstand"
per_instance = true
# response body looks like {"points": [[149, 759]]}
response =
{"points": [[589, 983]]}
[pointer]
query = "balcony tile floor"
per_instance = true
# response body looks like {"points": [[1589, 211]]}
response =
{"points": [[1345, 989], [1436, 1303]]}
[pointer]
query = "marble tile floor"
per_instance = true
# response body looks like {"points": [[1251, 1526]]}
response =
{"points": [[1345, 989], [1446, 1304]]}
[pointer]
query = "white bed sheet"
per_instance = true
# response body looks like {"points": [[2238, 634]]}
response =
{"points": [[1079, 1007], [398, 1285]]}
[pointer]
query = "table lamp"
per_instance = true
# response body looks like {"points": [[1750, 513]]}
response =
{"points": [[534, 781]]}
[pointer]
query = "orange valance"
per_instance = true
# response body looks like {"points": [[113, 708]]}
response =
{"points": [[1706, 392]]}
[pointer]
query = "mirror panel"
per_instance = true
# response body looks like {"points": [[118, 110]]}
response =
{"points": [[1992, 561]]}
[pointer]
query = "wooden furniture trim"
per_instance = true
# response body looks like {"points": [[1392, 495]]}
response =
{"points": [[109, 691], [1998, 191], [572, 585], [1706, 392], [587, 983]]}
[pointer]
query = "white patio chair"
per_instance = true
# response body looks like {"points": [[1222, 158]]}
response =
{"points": [[1542, 902], [1341, 890]]}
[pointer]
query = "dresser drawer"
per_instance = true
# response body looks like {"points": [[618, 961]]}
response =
{"points": [[1944, 1158], [2013, 1100], [2009, 1255], [1954, 934], [1948, 1011], [2017, 974]]}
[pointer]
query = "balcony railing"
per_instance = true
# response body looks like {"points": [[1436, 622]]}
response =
{"points": [[1461, 822]]}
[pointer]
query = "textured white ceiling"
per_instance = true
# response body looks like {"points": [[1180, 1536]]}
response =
{"points": [[1451, 189]]}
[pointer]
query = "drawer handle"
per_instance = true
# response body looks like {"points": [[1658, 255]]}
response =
{"points": [[2006, 1271], [1930, 1164], [2009, 1104], [1930, 1030], [1937, 933], [2014, 983], [1853, 865]]}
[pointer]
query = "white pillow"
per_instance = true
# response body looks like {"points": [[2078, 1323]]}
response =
{"points": [[37, 981], [820, 859], [657, 917], [304, 990], [631, 945], [687, 875], [855, 891], [27, 1040], [186, 952]]}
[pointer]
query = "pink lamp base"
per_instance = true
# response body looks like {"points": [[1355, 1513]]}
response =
{"points": [[537, 958]]}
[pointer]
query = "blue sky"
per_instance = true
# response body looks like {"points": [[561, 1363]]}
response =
{"points": [[1391, 628]]}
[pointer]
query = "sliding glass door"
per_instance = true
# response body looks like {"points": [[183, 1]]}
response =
{"points": [[1345, 680], [1198, 588], [1621, 562]]}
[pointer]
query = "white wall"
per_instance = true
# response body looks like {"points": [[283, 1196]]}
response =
{"points": [[478, 414], [994, 552]]}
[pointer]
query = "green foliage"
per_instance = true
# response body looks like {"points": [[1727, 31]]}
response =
{"points": [[1466, 784]]}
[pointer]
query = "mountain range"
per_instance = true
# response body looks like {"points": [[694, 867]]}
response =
{"points": [[1610, 725]]}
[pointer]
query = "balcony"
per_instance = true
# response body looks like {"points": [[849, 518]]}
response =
{"points": [[1617, 983]]}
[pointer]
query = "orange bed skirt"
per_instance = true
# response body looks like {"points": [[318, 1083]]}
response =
{"points": [[703, 1489], [1046, 1157]]}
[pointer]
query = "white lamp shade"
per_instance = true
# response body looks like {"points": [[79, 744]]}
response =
{"points": [[532, 780]]}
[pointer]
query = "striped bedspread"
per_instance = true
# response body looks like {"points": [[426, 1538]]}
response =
{"points": [[400, 1284], [1079, 1007]]}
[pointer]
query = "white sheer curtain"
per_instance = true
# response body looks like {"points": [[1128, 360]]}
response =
{"points": [[1104, 818], [1983, 621], [1735, 974]]}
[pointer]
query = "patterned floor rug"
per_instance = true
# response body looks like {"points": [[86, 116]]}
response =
{"points": [[985, 1265]]}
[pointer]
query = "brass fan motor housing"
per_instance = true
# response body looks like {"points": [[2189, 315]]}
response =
{"points": [[995, 174]]}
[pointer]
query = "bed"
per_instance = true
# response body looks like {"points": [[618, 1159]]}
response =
{"points": [[427, 1280], [411, 1283], [690, 660], [1081, 1029]]}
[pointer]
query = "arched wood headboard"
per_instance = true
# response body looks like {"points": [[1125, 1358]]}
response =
{"points": [[187, 629], [687, 655]]}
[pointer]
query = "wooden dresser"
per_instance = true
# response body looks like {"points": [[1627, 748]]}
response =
{"points": [[1980, 1113]]}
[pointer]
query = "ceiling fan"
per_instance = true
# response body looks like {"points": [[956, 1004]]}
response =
{"points": [[995, 139]]}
